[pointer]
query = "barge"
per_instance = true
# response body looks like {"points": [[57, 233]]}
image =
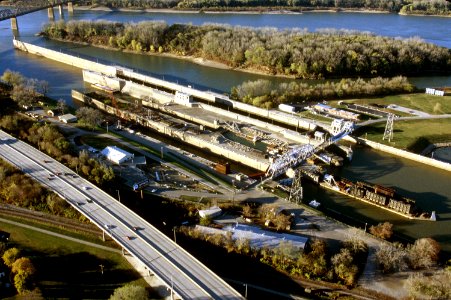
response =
{"points": [[380, 196]]}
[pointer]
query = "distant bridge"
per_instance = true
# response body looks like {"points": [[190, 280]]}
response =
{"points": [[20, 8]]}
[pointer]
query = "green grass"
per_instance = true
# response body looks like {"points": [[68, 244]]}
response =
{"points": [[100, 143], [411, 135], [67, 269], [423, 102]]}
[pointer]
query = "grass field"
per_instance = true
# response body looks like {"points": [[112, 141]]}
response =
{"points": [[412, 135], [67, 269], [100, 143], [427, 103]]}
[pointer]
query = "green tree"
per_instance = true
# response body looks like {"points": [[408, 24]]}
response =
{"points": [[89, 116], [130, 292], [10, 256]]}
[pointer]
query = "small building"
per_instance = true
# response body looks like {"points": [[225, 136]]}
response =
{"points": [[50, 113], [210, 212], [67, 118], [287, 108], [116, 155], [183, 98]]}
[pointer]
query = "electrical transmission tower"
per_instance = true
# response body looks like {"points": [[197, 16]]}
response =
{"points": [[296, 193], [388, 134]]}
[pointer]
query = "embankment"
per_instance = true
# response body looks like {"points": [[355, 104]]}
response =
{"points": [[405, 154]]}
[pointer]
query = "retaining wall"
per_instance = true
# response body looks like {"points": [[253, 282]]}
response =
{"points": [[405, 154], [65, 58]]}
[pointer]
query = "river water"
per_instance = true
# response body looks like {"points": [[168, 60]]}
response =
{"points": [[430, 187]]}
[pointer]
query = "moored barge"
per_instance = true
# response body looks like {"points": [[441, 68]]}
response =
{"points": [[383, 197]]}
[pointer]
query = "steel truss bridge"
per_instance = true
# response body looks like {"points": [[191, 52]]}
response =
{"points": [[20, 8], [295, 156]]}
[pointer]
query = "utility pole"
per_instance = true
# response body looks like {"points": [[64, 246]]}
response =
{"points": [[388, 134], [296, 193]]}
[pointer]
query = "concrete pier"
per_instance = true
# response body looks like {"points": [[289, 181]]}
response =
{"points": [[60, 9], [70, 8], [50, 13], [14, 24]]}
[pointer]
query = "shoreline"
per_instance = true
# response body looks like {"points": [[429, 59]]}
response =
{"points": [[253, 11], [196, 60]]}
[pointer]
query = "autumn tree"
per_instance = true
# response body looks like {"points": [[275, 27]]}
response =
{"points": [[424, 253], [435, 286], [61, 106], [344, 267], [12, 78], [314, 263], [89, 116], [392, 258], [382, 230], [247, 211]]}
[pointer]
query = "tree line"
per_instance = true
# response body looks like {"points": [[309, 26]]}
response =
{"points": [[427, 7], [436, 7], [297, 53], [264, 94]]}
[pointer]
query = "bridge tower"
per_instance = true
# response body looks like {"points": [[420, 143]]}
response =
{"points": [[296, 193], [50, 13], [14, 24], [388, 134], [70, 8]]}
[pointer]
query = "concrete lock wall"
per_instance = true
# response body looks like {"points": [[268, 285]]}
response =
{"points": [[406, 154], [108, 81], [289, 134], [186, 137], [65, 58]]}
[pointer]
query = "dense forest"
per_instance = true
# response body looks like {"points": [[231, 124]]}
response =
{"points": [[435, 7], [264, 94], [298, 53]]}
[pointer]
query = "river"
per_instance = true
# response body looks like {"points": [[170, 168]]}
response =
{"points": [[430, 187]]}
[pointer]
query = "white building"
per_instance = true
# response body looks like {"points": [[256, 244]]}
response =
{"points": [[183, 98], [117, 155], [67, 118], [258, 238]]}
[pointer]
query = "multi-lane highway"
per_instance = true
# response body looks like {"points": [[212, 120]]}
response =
{"points": [[185, 275]]}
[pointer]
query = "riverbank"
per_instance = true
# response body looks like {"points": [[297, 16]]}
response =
{"points": [[238, 10], [194, 59]]}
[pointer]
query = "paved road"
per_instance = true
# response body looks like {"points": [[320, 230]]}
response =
{"points": [[189, 278], [430, 117]]}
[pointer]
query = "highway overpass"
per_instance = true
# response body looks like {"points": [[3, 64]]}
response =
{"points": [[176, 268]]}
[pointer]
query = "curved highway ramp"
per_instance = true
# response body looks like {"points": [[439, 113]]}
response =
{"points": [[176, 268]]}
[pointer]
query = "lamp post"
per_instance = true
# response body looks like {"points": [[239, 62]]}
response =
{"points": [[245, 291], [118, 195], [175, 235], [106, 126]]}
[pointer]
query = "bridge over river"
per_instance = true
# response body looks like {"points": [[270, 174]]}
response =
{"points": [[20, 8]]}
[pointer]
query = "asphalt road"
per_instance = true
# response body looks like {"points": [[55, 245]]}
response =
{"points": [[180, 271]]}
